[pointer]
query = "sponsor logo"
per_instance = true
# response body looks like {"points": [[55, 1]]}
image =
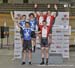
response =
{"points": [[65, 17], [17, 31], [58, 46], [17, 39], [66, 50], [53, 50]]}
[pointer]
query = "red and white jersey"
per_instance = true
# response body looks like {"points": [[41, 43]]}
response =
{"points": [[49, 20], [40, 20], [45, 31]]}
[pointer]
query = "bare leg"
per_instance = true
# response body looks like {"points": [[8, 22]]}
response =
{"points": [[47, 54], [30, 56], [42, 55], [33, 44], [23, 57]]}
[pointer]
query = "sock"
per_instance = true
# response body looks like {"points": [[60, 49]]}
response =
{"points": [[46, 60], [34, 48], [42, 59]]}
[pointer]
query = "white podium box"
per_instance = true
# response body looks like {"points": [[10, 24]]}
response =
{"points": [[60, 39]]}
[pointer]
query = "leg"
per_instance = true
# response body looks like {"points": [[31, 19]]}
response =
{"points": [[22, 40], [24, 52], [49, 39], [23, 56], [47, 54], [34, 44], [30, 56], [29, 51], [40, 37], [42, 55]]}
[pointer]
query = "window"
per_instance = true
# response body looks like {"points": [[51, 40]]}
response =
{"points": [[1, 1], [25, 1], [5, 1]]}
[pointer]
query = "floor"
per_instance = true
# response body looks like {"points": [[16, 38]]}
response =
{"points": [[6, 61]]}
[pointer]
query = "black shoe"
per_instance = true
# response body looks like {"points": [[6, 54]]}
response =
{"points": [[41, 63], [46, 63], [30, 63], [23, 63]]}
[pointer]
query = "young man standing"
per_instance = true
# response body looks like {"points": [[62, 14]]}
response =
{"points": [[21, 24], [50, 19], [44, 42], [20, 21], [27, 46], [33, 24]]}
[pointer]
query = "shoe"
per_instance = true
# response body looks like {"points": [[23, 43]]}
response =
{"points": [[41, 63], [30, 63], [46, 63], [23, 63]]}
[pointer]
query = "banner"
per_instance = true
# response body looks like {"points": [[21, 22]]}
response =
{"points": [[60, 35], [17, 36], [61, 32]]}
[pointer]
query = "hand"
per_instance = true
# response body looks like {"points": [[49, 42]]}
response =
{"points": [[55, 6], [48, 6]]}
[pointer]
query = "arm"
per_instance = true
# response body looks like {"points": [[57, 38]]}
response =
{"points": [[55, 14], [56, 10], [19, 25], [12, 16], [38, 32]]}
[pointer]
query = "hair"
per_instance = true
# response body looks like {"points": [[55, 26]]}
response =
{"points": [[23, 15], [44, 20], [27, 23], [31, 14]]}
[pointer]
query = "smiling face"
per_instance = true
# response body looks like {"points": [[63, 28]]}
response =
{"points": [[44, 23], [24, 17], [31, 16], [27, 25], [41, 13], [49, 13]]}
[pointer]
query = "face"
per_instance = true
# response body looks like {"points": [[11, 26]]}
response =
{"points": [[44, 23], [18, 16], [31, 17], [27, 25], [49, 12], [23, 17], [41, 14]]}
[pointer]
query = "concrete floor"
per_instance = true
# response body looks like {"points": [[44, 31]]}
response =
{"points": [[6, 61]]}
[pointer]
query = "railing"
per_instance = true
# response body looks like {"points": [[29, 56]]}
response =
{"points": [[11, 7]]}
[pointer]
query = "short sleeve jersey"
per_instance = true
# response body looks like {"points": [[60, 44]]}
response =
{"points": [[27, 33]]}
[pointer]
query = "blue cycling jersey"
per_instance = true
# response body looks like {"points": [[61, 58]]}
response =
{"points": [[33, 24], [22, 23], [27, 33]]}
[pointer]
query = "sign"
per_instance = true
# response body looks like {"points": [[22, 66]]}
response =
{"points": [[61, 32]]}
